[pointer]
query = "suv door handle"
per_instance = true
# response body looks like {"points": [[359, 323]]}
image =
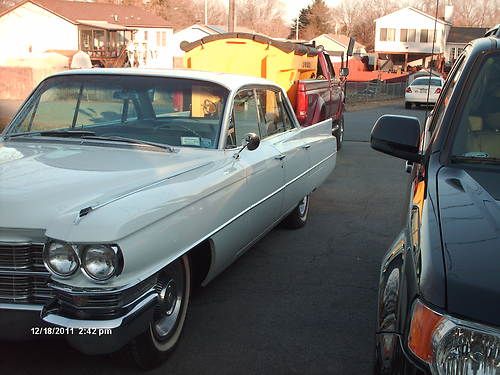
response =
{"points": [[280, 157], [306, 147]]}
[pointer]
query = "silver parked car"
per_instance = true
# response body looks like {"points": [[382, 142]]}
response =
{"points": [[121, 189]]}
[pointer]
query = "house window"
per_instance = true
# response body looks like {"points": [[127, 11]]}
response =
{"points": [[383, 35], [387, 34], [403, 35], [161, 38], [407, 35], [453, 53], [424, 36], [412, 33], [391, 35], [427, 36]]}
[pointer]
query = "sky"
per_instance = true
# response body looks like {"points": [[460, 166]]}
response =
{"points": [[293, 7]]}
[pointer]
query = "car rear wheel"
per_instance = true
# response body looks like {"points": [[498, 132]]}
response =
{"points": [[298, 217], [408, 105], [152, 347]]}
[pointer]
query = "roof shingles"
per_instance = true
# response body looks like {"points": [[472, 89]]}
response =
{"points": [[77, 11], [464, 35]]}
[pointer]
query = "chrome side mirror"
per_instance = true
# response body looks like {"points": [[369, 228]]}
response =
{"points": [[252, 141]]}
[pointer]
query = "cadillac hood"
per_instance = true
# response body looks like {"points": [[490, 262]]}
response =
{"points": [[46, 185], [469, 205]]}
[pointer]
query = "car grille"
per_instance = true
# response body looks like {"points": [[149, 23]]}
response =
{"points": [[23, 277]]}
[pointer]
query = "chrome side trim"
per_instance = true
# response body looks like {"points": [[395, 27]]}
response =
{"points": [[85, 211], [24, 307], [99, 324]]}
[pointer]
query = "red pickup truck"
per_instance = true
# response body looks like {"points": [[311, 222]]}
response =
{"points": [[305, 72], [322, 97]]}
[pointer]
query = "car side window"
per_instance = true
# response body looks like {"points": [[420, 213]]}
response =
{"points": [[287, 120], [272, 119], [244, 118], [446, 94]]}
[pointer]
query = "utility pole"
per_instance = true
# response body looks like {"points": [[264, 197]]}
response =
{"points": [[231, 16], [206, 12]]}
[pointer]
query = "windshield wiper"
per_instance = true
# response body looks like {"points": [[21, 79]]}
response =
{"points": [[131, 140], [66, 133], [53, 133], [474, 159]]}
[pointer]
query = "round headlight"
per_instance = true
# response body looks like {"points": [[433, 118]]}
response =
{"points": [[100, 262], [61, 259]]}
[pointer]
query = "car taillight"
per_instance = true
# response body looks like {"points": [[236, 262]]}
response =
{"points": [[438, 91], [301, 106], [408, 90]]}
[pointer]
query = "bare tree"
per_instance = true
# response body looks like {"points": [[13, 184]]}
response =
{"points": [[482, 13], [356, 18], [262, 16]]}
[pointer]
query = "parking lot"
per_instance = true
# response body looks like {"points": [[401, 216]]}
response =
{"points": [[298, 302]]}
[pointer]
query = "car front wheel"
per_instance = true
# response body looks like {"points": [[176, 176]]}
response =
{"points": [[298, 217], [152, 347]]}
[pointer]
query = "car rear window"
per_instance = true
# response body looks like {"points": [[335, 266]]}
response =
{"points": [[425, 82]]}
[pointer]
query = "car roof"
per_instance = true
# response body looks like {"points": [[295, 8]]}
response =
{"points": [[230, 81]]}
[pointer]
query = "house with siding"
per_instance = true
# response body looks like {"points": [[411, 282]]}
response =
{"points": [[408, 35], [109, 33]]}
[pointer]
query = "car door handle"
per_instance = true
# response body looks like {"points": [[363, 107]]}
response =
{"points": [[306, 147], [280, 157]]}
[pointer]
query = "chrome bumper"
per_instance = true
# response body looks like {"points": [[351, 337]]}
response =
{"points": [[20, 322], [106, 336]]}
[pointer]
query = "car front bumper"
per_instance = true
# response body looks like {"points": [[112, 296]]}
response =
{"points": [[89, 336]]}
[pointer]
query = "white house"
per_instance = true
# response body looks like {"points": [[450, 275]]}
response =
{"points": [[408, 34], [334, 43], [104, 31]]}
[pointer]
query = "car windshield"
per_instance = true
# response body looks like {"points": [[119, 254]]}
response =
{"points": [[425, 82], [171, 111], [478, 134]]}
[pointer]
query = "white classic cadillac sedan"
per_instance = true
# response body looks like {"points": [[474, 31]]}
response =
{"points": [[122, 189]]}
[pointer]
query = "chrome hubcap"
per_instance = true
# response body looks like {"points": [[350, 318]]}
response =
{"points": [[170, 296], [303, 206]]}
